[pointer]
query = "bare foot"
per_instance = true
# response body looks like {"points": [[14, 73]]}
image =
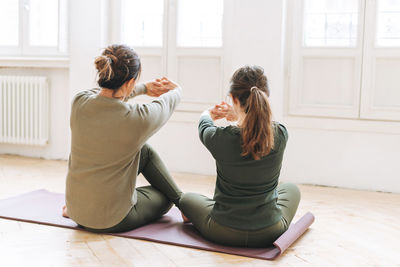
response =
{"points": [[185, 219], [64, 212]]}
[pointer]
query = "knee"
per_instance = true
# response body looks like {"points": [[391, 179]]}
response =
{"points": [[145, 149], [149, 152], [164, 202], [161, 203], [167, 206], [187, 201], [293, 189]]}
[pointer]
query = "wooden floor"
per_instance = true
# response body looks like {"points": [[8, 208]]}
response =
{"points": [[352, 228]]}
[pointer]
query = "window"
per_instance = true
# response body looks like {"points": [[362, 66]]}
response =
{"points": [[43, 23], [388, 23], [143, 22], [345, 59], [200, 23], [9, 24], [177, 38], [33, 27], [330, 22], [380, 98]]}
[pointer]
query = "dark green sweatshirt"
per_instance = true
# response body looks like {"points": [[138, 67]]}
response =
{"points": [[245, 192]]}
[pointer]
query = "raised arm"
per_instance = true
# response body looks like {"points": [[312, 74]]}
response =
{"points": [[140, 89], [155, 114], [207, 130]]}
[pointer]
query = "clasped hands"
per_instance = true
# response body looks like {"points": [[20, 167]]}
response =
{"points": [[158, 87], [223, 110]]}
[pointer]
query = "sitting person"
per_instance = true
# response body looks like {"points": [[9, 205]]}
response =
{"points": [[109, 150], [249, 208]]}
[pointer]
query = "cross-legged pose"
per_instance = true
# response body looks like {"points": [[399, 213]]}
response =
{"points": [[109, 150], [249, 208]]}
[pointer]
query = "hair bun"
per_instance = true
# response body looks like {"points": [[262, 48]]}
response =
{"points": [[103, 65], [116, 65]]}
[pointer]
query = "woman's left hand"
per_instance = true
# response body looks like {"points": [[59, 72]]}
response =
{"points": [[230, 112], [160, 86], [155, 89], [223, 110], [218, 112]]}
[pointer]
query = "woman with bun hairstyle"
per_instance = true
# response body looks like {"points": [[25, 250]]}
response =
{"points": [[249, 208], [109, 150]]}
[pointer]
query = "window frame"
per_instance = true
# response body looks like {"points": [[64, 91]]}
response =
{"points": [[170, 52], [24, 49], [372, 53], [299, 52], [363, 108]]}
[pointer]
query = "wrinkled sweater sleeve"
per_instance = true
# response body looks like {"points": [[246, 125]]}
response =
{"points": [[155, 114], [139, 89], [207, 131]]}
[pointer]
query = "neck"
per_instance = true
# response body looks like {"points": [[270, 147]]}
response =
{"points": [[110, 93], [241, 117]]}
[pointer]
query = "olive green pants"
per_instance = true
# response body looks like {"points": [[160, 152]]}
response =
{"points": [[152, 201], [197, 209]]}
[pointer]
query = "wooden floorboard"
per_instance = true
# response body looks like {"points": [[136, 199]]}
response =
{"points": [[352, 228]]}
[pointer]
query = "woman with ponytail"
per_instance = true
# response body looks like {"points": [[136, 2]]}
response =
{"points": [[249, 208], [109, 150]]}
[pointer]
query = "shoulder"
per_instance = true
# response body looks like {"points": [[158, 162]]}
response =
{"points": [[281, 136], [281, 130], [85, 94], [230, 130], [227, 134]]}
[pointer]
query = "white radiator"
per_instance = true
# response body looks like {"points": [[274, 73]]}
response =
{"points": [[24, 110]]}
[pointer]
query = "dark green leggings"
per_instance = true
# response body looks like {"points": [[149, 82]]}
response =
{"points": [[197, 209], [152, 201]]}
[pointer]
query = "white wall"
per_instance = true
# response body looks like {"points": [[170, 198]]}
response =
{"points": [[345, 158], [320, 151]]}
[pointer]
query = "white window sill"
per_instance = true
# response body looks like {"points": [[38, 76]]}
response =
{"points": [[34, 62]]}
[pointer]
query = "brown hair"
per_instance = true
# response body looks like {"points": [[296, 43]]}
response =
{"points": [[116, 65], [249, 86]]}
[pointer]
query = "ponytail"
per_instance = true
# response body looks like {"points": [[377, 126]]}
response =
{"points": [[249, 86], [257, 132]]}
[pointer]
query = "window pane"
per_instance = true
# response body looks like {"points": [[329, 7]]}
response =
{"points": [[388, 23], [43, 23], [9, 17], [143, 22], [200, 23], [330, 23]]}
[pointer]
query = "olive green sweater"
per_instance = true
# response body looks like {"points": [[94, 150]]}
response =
{"points": [[106, 137], [245, 192]]}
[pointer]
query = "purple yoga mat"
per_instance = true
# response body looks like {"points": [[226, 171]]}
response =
{"points": [[44, 207]]}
